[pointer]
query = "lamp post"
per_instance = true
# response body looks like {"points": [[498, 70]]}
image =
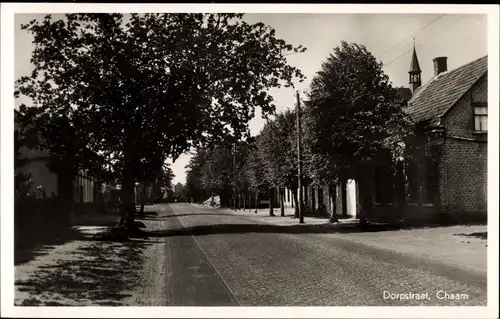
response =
{"points": [[234, 175], [299, 161]]}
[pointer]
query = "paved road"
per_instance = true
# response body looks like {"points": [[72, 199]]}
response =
{"points": [[222, 259]]}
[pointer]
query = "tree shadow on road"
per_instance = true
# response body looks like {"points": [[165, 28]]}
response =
{"points": [[480, 235], [37, 240], [29, 246], [197, 214], [266, 228], [100, 272]]}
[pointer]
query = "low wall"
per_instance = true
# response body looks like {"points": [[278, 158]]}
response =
{"points": [[421, 215], [464, 217], [384, 213]]}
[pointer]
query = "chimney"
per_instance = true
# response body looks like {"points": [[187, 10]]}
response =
{"points": [[440, 65]]}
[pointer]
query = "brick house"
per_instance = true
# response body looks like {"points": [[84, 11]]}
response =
{"points": [[446, 169]]}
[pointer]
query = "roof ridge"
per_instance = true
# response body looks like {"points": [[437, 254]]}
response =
{"points": [[464, 65], [438, 77], [443, 91]]}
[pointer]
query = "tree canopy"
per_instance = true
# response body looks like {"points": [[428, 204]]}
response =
{"points": [[278, 147], [149, 86], [351, 115]]}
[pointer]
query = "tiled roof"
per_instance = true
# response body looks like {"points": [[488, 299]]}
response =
{"points": [[442, 92], [404, 93]]}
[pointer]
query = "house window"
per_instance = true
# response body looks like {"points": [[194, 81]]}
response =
{"points": [[383, 185], [480, 118]]}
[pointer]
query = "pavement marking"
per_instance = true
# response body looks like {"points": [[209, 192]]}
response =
{"points": [[195, 280], [217, 271]]}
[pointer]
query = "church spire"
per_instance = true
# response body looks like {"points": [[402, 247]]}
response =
{"points": [[415, 72]]}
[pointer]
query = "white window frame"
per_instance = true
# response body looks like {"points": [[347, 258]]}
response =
{"points": [[478, 116]]}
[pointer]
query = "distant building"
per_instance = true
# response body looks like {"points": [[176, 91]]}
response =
{"points": [[36, 165]]}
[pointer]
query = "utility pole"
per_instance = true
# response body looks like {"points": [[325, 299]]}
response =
{"points": [[234, 175], [299, 161]]}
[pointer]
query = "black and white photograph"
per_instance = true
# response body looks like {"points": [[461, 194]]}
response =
{"points": [[212, 160]]}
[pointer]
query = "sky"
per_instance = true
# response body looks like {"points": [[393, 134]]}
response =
{"points": [[462, 38]]}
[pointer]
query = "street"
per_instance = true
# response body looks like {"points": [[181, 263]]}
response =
{"points": [[222, 259], [140, 140]]}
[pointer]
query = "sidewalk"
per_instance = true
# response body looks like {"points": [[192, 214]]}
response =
{"points": [[81, 271], [262, 215], [453, 245], [463, 246]]}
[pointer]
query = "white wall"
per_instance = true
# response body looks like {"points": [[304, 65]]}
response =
{"points": [[351, 197]]}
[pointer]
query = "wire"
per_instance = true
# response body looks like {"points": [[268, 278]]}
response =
{"points": [[292, 53], [412, 35], [406, 52], [399, 57]]}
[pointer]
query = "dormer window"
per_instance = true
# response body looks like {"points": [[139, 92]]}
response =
{"points": [[480, 117]]}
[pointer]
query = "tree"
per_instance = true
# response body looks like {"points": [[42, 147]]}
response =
{"points": [[254, 171], [278, 149], [156, 176], [179, 192], [174, 80], [242, 151], [352, 119], [194, 187], [165, 182], [217, 174]]}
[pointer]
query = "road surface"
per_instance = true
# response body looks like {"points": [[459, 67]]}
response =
{"points": [[218, 258]]}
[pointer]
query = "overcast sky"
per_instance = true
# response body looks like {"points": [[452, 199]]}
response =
{"points": [[461, 38]]}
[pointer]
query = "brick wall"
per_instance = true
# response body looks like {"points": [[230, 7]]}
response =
{"points": [[466, 177], [480, 90], [459, 121], [464, 174]]}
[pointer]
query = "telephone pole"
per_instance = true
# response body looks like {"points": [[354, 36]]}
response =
{"points": [[299, 161], [234, 175]]}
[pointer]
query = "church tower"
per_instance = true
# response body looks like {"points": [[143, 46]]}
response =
{"points": [[414, 73]]}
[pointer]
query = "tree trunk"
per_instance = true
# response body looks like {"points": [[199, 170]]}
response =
{"points": [[244, 200], [143, 199], [128, 204], [332, 197], [400, 192], [128, 210], [256, 200], [281, 192], [271, 202], [365, 199], [306, 195], [296, 201], [344, 199], [313, 200], [65, 188]]}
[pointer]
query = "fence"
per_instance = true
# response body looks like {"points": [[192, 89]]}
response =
{"points": [[34, 217]]}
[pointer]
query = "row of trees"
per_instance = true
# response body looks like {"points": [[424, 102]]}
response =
{"points": [[118, 95], [351, 124]]}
